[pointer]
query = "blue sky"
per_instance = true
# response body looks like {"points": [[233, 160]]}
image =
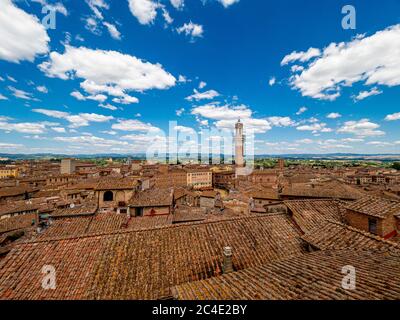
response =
{"points": [[113, 74]]}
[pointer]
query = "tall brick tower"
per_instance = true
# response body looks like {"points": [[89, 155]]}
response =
{"points": [[239, 144]]}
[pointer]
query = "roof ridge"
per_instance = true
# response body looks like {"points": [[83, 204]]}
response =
{"points": [[367, 234], [97, 234]]}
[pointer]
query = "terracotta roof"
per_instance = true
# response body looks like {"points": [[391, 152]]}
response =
{"points": [[324, 190], [313, 276], [335, 235], [265, 194], [116, 184], [11, 208], [18, 222], [152, 197], [15, 191], [78, 210], [310, 214], [144, 264], [377, 207], [186, 214]]}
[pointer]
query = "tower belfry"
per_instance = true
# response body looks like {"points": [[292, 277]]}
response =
{"points": [[239, 144]]}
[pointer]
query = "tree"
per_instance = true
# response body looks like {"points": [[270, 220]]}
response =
{"points": [[396, 165]]}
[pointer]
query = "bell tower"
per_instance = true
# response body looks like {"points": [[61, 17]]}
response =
{"points": [[239, 144]]}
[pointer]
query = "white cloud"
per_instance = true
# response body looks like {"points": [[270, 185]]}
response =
{"points": [[42, 89], [333, 115], [180, 111], [23, 127], [281, 121], [191, 29], [393, 117], [227, 3], [107, 72], [96, 6], [301, 110], [365, 94], [97, 97], [91, 141], [184, 129], [134, 125], [144, 10], [361, 128], [3, 97], [379, 143], [182, 79], [202, 85], [360, 60], [315, 127], [301, 56], [272, 81], [112, 29], [255, 125], [57, 6], [215, 112], [17, 32], [178, 4], [92, 25], [75, 120], [126, 99], [59, 129], [108, 106], [20, 94], [207, 95]]}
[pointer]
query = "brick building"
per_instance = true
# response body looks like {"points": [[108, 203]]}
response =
{"points": [[375, 215]]}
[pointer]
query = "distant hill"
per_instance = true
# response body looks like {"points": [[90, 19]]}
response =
{"points": [[305, 156]]}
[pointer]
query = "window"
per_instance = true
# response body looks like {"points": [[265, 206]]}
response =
{"points": [[372, 226], [108, 196]]}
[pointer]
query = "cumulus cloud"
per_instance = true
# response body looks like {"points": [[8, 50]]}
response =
{"points": [[75, 120], [333, 115], [215, 112], [301, 110], [272, 81], [97, 97], [314, 127], [207, 95], [281, 121], [180, 111], [21, 94], [57, 6], [144, 10], [134, 125], [361, 128], [17, 29], [227, 3], [22, 127], [343, 64], [191, 29], [42, 89], [107, 72], [365, 94], [178, 4], [112, 29], [301, 56], [393, 117]]}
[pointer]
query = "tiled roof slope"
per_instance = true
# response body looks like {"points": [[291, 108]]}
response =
{"points": [[334, 190], [18, 222], [144, 264], [313, 276], [310, 214], [377, 207], [334, 235]]}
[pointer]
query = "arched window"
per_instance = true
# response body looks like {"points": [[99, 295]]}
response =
{"points": [[108, 196]]}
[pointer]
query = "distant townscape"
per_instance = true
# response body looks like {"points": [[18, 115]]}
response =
{"points": [[134, 229]]}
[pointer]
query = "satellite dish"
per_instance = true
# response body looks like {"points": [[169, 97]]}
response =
{"points": [[72, 205]]}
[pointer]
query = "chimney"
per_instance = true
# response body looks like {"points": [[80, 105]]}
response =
{"points": [[227, 266]]}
